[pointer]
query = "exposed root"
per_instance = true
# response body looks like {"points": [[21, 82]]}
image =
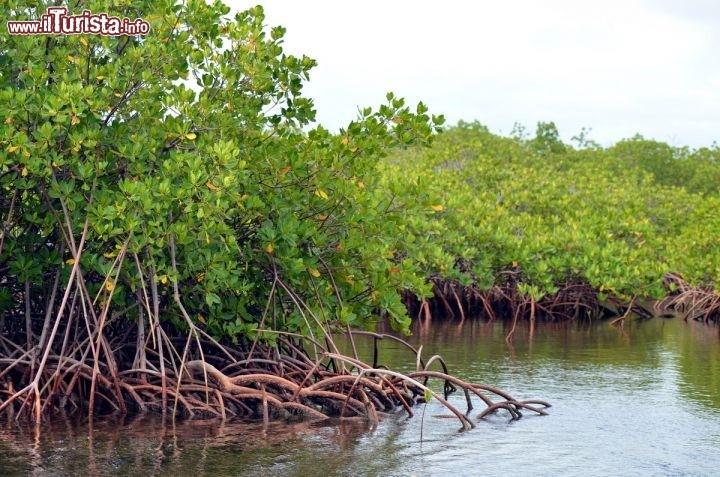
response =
{"points": [[279, 382], [691, 302], [451, 299], [574, 300], [76, 355]]}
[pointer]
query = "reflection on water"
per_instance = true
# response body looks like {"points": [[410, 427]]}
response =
{"points": [[144, 446], [698, 361], [636, 401]]}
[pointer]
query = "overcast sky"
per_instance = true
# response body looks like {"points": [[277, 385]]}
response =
{"points": [[619, 67]]}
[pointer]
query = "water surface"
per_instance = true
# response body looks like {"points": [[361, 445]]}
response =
{"points": [[643, 400]]}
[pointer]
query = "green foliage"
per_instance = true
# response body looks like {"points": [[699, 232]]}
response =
{"points": [[547, 138], [695, 170], [619, 217], [198, 138], [197, 134]]}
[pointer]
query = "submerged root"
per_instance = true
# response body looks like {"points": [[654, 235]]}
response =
{"points": [[276, 382], [453, 300], [78, 356], [574, 300], [692, 302]]}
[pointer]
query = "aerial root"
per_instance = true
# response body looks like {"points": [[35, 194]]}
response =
{"points": [[574, 299], [272, 384], [83, 359], [691, 302], [454, 300]]}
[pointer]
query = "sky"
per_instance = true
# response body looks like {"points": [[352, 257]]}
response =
{"points": [[618, 67]]}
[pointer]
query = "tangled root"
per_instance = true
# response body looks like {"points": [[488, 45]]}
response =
{"points": [[573, 300], [279, 382], [451, 299], [692, 302]]}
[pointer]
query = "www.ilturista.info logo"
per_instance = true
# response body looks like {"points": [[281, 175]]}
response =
{"points": [[57, 22]]}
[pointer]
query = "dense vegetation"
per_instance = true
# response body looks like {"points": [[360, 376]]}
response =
{"points": [[162, 198], [619, 218], [215, 173]]}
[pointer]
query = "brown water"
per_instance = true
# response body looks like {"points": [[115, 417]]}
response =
{"points": [[640, 401]]}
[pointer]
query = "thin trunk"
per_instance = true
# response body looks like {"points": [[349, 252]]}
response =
{"points": [[156, 312], [140, 346], [50, 305], [28, 317]]}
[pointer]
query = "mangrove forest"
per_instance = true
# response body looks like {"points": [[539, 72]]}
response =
{"points": [[180, 239]]}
